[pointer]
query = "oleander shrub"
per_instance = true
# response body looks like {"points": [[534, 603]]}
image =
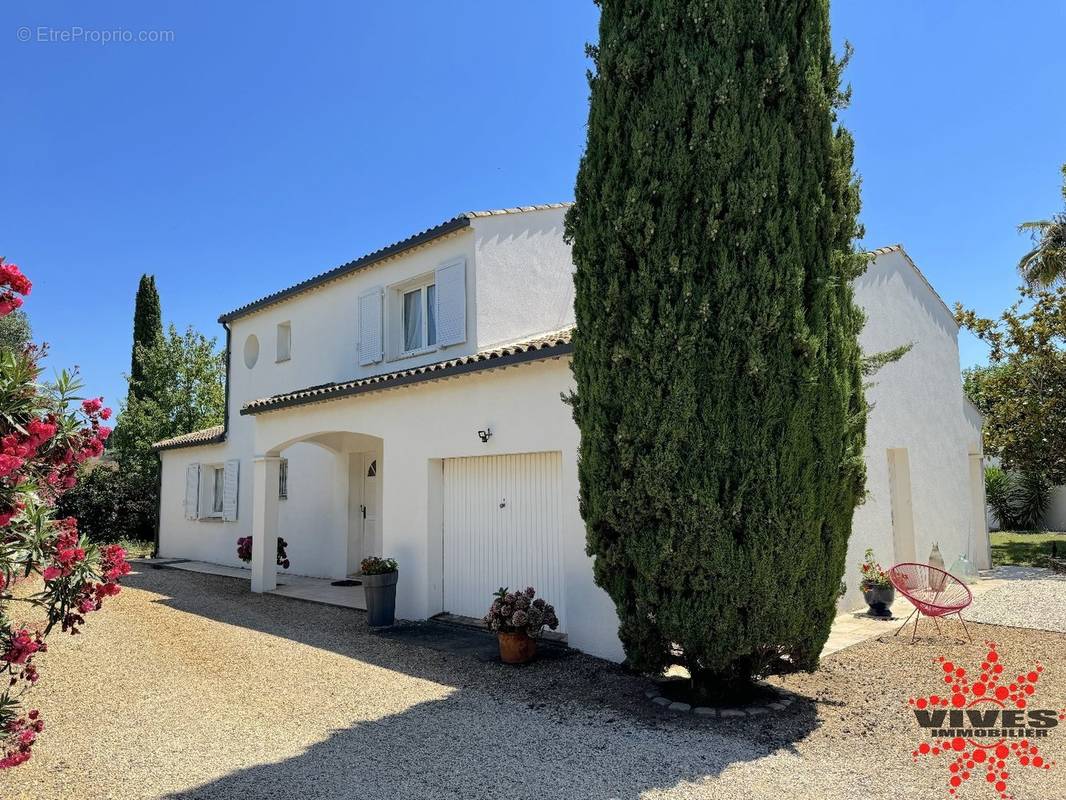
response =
{"points": [[50, 571]]}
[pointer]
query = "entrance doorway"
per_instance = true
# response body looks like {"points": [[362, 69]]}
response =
{"points": [[899, 487], [364, 503]]}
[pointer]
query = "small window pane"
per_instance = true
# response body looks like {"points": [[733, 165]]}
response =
{"points": [[220, 480], [283, 479], [412, 320], [284, 341], [431, 314]]}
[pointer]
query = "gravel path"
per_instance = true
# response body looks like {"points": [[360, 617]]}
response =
{"points": [[188, 686], [1033, 598]]}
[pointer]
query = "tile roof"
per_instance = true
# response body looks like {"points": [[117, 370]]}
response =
{"points": [[216, 434], [456, 223], [548, 345]]}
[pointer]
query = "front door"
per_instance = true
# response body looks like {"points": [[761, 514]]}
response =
{"points": [[371, 528], [364, 534]]}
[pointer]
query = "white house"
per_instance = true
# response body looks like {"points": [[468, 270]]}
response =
{"points": [[408, 404]]}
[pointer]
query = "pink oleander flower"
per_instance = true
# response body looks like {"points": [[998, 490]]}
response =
{"points": [[11, 275], [9, 464]]}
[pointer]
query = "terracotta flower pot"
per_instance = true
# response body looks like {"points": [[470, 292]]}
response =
{"points": [[516, 648]]}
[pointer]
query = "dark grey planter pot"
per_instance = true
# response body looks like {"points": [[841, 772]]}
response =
{"points": [[880, 601], [380, 593]]}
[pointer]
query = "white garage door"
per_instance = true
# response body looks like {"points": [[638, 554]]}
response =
{"points": [[502, 521]]}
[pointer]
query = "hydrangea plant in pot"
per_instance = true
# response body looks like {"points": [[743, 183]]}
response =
{"points": [[877, 589], [379, 582], [244, 551], [518, 619]]}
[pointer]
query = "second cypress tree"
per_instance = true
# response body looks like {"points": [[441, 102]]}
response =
{"points": [[147, 327]]}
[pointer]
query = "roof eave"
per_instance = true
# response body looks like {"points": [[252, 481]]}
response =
{"points": [[219, 439], [425, 237], [498, 362]]}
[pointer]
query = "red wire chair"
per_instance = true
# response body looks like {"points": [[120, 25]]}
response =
{"points": [[933, 592]]}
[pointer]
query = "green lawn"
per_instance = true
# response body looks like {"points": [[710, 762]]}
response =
{"points": [[1025, 549], [135, 548]]}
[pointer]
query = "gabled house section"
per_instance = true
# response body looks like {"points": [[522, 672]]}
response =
{"points": [[410, 403]]}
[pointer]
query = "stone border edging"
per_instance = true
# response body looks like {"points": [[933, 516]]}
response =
{"points": [[784, 700]]}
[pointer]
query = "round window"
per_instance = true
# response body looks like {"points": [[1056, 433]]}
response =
{"points": [[251, 351]]}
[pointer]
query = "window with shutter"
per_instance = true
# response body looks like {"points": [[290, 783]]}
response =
{"points": [[192, 491], [450, 291], [370, 334]]}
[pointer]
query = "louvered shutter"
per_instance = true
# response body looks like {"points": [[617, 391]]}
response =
{"points": [[192, 491], [230, 484], [370, 337], [451, 303]]}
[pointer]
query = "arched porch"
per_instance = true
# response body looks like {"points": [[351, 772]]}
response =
{"points": [[339, 521]]}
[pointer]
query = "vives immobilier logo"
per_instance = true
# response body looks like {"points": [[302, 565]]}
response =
{"points": [[986, 724]]}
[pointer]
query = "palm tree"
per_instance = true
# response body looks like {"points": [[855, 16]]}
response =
{"points": [[1045, 264]]}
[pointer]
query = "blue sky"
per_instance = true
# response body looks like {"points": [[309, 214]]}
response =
{"points": [[255, 149]]}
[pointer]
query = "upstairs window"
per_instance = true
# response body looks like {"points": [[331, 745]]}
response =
{"points": [[420, 318], [284, 341]]}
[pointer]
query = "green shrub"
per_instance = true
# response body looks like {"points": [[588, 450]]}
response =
{"points": [[1018, 500], [1030, 498], [111, 504], [997, 495]]}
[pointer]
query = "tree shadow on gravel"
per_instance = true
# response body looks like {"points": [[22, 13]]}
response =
{"points": [[564, 727]]}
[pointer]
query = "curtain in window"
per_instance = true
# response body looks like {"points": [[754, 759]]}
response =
{"points": [[412, 320], [220, 477], [431, 314]]}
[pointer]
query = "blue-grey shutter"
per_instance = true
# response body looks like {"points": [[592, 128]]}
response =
{"points": [[451, 303]]}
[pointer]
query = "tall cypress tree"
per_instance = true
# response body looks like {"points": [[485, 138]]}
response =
{"points": [[716, 358], [147, 326]]}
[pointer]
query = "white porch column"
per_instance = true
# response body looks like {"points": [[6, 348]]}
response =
{"points": [[341, 516], [265, 523]]}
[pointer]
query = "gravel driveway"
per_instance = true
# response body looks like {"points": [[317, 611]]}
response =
{"points": [[1032, 598], [188, 686]]}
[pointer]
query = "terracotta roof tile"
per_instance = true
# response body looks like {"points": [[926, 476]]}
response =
{"points": [[548, 345], [456, 223], [216, 434]]}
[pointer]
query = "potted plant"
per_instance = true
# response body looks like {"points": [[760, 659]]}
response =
{"points": [[877, 589], [518, 620], [379, 577], [244, 551]]}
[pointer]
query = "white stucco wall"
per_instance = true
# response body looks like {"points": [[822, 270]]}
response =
{"points": [[917, 404], [519, 285], [524, 269], [325, 332]]}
